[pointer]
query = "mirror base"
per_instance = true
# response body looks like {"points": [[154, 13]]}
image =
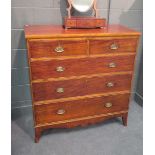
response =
{"points": [[84, 22]]}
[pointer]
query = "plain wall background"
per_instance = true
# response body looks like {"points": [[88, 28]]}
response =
{"points": [[129, 13]]}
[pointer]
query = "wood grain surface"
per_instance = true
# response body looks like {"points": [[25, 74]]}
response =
{"points": [[80, 87], [53, 31], [104, 46], [46, 47], [83, 66], [80, 108], [79, 76]]}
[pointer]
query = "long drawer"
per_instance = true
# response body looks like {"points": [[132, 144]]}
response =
{"points": [[83, 66], [80, 108], [56, 48], [80, 87], [113, 45]]}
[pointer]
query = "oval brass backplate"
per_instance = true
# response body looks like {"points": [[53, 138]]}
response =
{"points": [[108, 104], [112, 65], [60, 90], [59, 49], [114, 46], [110, 84], [61, 112], [60, 69]]}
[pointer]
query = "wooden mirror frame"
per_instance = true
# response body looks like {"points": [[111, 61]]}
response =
{"points": [[83, 22], [70, 2]]}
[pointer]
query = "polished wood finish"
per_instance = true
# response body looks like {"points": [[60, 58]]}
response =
{"points": [[58, 32], [79, 97], [80, 87], [87, 65], [80, 108], [125, 119], [123, 45], [46, 47], [38, 132], [84, 22], [79, 77], [77, 122]]}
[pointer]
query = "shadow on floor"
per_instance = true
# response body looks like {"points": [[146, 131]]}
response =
{"points": [[79, 128], [24, 119]]}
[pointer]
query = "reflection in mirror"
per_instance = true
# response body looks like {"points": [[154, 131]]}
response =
{"points": [[89, 13], [82, 5]]}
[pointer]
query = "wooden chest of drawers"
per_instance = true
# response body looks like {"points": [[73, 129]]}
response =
{"points": [[81, 76]]}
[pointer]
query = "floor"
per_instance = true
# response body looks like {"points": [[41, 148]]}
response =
{"points": [[106, 138]]}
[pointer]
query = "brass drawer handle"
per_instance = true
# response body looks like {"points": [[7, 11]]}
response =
{"points": [[114, 46], [110, 84], [108, 105], [59, 49], [112, 65], [60, 69], [60, 90], [61, 112]]}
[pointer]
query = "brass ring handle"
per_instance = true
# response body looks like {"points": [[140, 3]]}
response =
{"points": [[108, 105], [112, 65], [61, 112], [60, 90], [114, 46], [110, 84], [60, 69], [59, 49]]}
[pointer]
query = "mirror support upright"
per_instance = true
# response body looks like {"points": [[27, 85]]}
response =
{"points": [[95, 8], [69, 8]]}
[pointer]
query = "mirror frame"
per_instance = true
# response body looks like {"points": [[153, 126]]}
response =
{"points": [[70, 2]]}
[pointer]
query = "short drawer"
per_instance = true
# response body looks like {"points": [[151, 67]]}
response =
{"points": [[80, 108], [80, 87], [113, 46], [83, 66], [54, 48]]}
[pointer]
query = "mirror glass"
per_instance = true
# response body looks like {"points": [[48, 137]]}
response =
{"points": [[82, 5]]}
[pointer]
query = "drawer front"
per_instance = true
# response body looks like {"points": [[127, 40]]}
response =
{"points": [[80, 108], [83, 66], [86, 23], [70, 23], [111, 46], [80, 87], [55, 48]]}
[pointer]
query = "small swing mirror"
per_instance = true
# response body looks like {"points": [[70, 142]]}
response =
{"points": [[83, 6]]}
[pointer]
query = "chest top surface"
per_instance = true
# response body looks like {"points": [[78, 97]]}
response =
{"points": [[56, 31]]}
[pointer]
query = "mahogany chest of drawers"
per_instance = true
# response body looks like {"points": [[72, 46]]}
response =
{"points": [[79, 76]]}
